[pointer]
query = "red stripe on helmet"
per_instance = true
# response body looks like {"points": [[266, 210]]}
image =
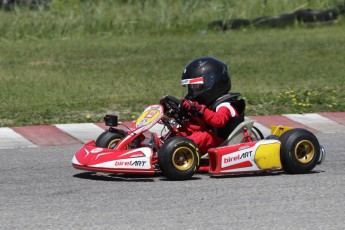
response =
{"points": [[199, 80]]}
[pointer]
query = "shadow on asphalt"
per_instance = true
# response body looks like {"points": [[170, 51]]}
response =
{"points": [[151, 178], [114, 177], [124, 177], [262, 174]]}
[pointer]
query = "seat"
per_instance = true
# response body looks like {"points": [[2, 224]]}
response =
{"points": [[239, 105]]}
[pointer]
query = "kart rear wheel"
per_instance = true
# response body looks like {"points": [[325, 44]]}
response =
{"points": [[108, 140], [179, 158], [299, 151]]}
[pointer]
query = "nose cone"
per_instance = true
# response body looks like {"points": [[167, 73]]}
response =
{"points": [[82, 157]]}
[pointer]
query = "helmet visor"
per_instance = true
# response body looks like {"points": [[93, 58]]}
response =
{"points": [[195, 88], [192, 86]]}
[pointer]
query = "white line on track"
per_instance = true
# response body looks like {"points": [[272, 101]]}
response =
{"points": [[317, 122], [11, 139], [83, 132]]}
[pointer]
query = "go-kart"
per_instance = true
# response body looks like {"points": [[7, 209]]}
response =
{"points": [[139, 151]]}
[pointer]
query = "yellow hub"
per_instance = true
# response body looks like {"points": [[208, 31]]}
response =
{"points": [[183, 158], [113, 143], [304, 151]]}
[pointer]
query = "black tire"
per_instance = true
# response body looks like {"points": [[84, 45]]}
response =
{"points": [[299, 151], [272, 137], [108, 140], [282, 20], [179, 158], [229, 24], [309, 16]]}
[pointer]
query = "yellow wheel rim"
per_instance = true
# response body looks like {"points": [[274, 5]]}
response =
{"points": [[304, 151], [113, 143], [183, 158]]}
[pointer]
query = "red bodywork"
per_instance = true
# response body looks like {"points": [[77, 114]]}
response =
{"points": [[92, 158], [143, 159], [216, 158]]}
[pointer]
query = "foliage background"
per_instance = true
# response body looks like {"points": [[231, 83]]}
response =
{"points": [[84, 58]]}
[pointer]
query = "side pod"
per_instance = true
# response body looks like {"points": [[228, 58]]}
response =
{"points": [[246, 157]]}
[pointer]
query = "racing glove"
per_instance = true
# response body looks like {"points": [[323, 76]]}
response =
{"points": [[194, 108]]}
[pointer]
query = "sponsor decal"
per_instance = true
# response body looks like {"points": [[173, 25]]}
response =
{"points": [[96, 150], [142, 123], [151, 114], [237, 157], [155, 107], [130, 163]]}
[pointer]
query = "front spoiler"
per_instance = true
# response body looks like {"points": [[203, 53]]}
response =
{"points": [[128, 161], [112, 170]]}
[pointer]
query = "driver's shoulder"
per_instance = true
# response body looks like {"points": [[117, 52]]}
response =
{"points": [[228, 106]]}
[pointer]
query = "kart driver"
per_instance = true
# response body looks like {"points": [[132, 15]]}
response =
{"points": [[205, 80]]}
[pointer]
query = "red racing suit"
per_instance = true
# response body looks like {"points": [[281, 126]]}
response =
{"points": [[199, 128]]}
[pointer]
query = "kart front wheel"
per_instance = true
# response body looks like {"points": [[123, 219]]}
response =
{"points": [[108, 140], [179, 158], [299, 151]]}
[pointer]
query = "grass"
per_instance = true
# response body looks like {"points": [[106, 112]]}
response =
{"points": [[49, 76], [79, 18]]}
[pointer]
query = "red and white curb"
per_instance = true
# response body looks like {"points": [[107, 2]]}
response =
{"points": [[68, 134]]}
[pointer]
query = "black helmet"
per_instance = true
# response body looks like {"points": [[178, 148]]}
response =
{"points": [[206, 79]]}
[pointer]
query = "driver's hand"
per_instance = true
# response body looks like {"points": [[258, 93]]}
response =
{"points": [[193, 107]]}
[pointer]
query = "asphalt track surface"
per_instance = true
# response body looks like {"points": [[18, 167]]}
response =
{"points": [[41, 190]]}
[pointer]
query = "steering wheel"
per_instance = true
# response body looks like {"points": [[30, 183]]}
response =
{"points": [[172, 108]]}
